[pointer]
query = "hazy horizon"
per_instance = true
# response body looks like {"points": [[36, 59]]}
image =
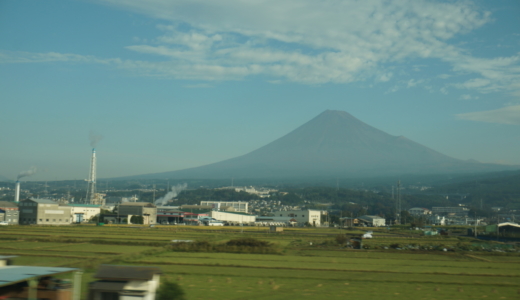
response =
{"points": [[178, 84]]}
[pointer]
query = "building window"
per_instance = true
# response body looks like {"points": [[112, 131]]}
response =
{"points": [[54, 220], [46, 220], [41, 220]]}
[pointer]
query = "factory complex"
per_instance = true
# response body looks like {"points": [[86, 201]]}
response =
{"points": [[35, 211]]}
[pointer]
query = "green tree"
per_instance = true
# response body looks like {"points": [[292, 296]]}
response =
{"points": [[170, 291], [136, 220], [341, 239]]}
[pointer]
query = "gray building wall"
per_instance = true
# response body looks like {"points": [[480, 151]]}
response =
{"points": [[44, 212], [147, 210], [9, 212]]}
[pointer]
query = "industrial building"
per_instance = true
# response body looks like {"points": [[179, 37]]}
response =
{"points": [[506, 229], [302, 217], [372, 221], [9, 212], [144, 209], [167, 216], [82, 213], [233, 218], [43, 212], [238, 206], [419, 211]]}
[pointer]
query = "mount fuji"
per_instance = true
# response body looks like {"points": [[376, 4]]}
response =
{"points": [[334, 144]]}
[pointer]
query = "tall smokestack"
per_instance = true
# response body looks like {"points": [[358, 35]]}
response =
{"points": [[17, 192], [91, 190]]}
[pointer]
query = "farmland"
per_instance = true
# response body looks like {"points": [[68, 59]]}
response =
{"points": [[304, 263]]}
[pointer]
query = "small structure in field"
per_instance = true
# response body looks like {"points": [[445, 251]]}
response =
{"points": [[355, 241], [275, 229]]}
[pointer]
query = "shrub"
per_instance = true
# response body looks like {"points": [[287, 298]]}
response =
{"points": [[170, 291], [246, 245], [341, 239], [394, 246], [136, 220], [248, 242]]}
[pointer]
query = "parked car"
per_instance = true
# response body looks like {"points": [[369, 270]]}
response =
{"points": [[4, 223]]}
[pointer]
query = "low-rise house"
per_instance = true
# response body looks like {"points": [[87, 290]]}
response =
{"points": [[29, 282], [124, 282], [9, 213], [373, 221], [349, 222], [43, 212]]}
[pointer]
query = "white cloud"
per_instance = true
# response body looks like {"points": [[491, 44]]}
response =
{"points": [[465, 97], [505, 115], [306, 41], [413, 82]]}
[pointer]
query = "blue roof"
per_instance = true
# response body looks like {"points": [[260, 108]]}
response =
{"points": [[14, 274]]}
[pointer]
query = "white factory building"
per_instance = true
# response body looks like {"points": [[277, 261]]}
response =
{"points": [[233, 218], [302, 217], [82, 213]]}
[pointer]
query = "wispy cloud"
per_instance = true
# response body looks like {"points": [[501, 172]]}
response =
{"points": [[505, 115], [29, 57], [306, 41]]}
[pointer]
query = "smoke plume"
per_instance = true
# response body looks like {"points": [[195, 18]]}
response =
{"points": [[29, 172], [94, 138], [172, 194]]}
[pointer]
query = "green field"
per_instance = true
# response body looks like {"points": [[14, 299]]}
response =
{"points": [[304, 263]]}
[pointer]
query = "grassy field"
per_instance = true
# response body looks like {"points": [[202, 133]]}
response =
{"points": [[305, 263]]}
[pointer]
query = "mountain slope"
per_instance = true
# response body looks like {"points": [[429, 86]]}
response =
{"points": [[334, 144]]}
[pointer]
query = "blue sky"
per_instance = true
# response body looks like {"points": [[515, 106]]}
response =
{"points": [[175, 84]]}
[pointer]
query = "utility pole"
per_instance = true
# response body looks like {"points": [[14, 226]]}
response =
{"points": [[398, 202], [476, 224]]}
